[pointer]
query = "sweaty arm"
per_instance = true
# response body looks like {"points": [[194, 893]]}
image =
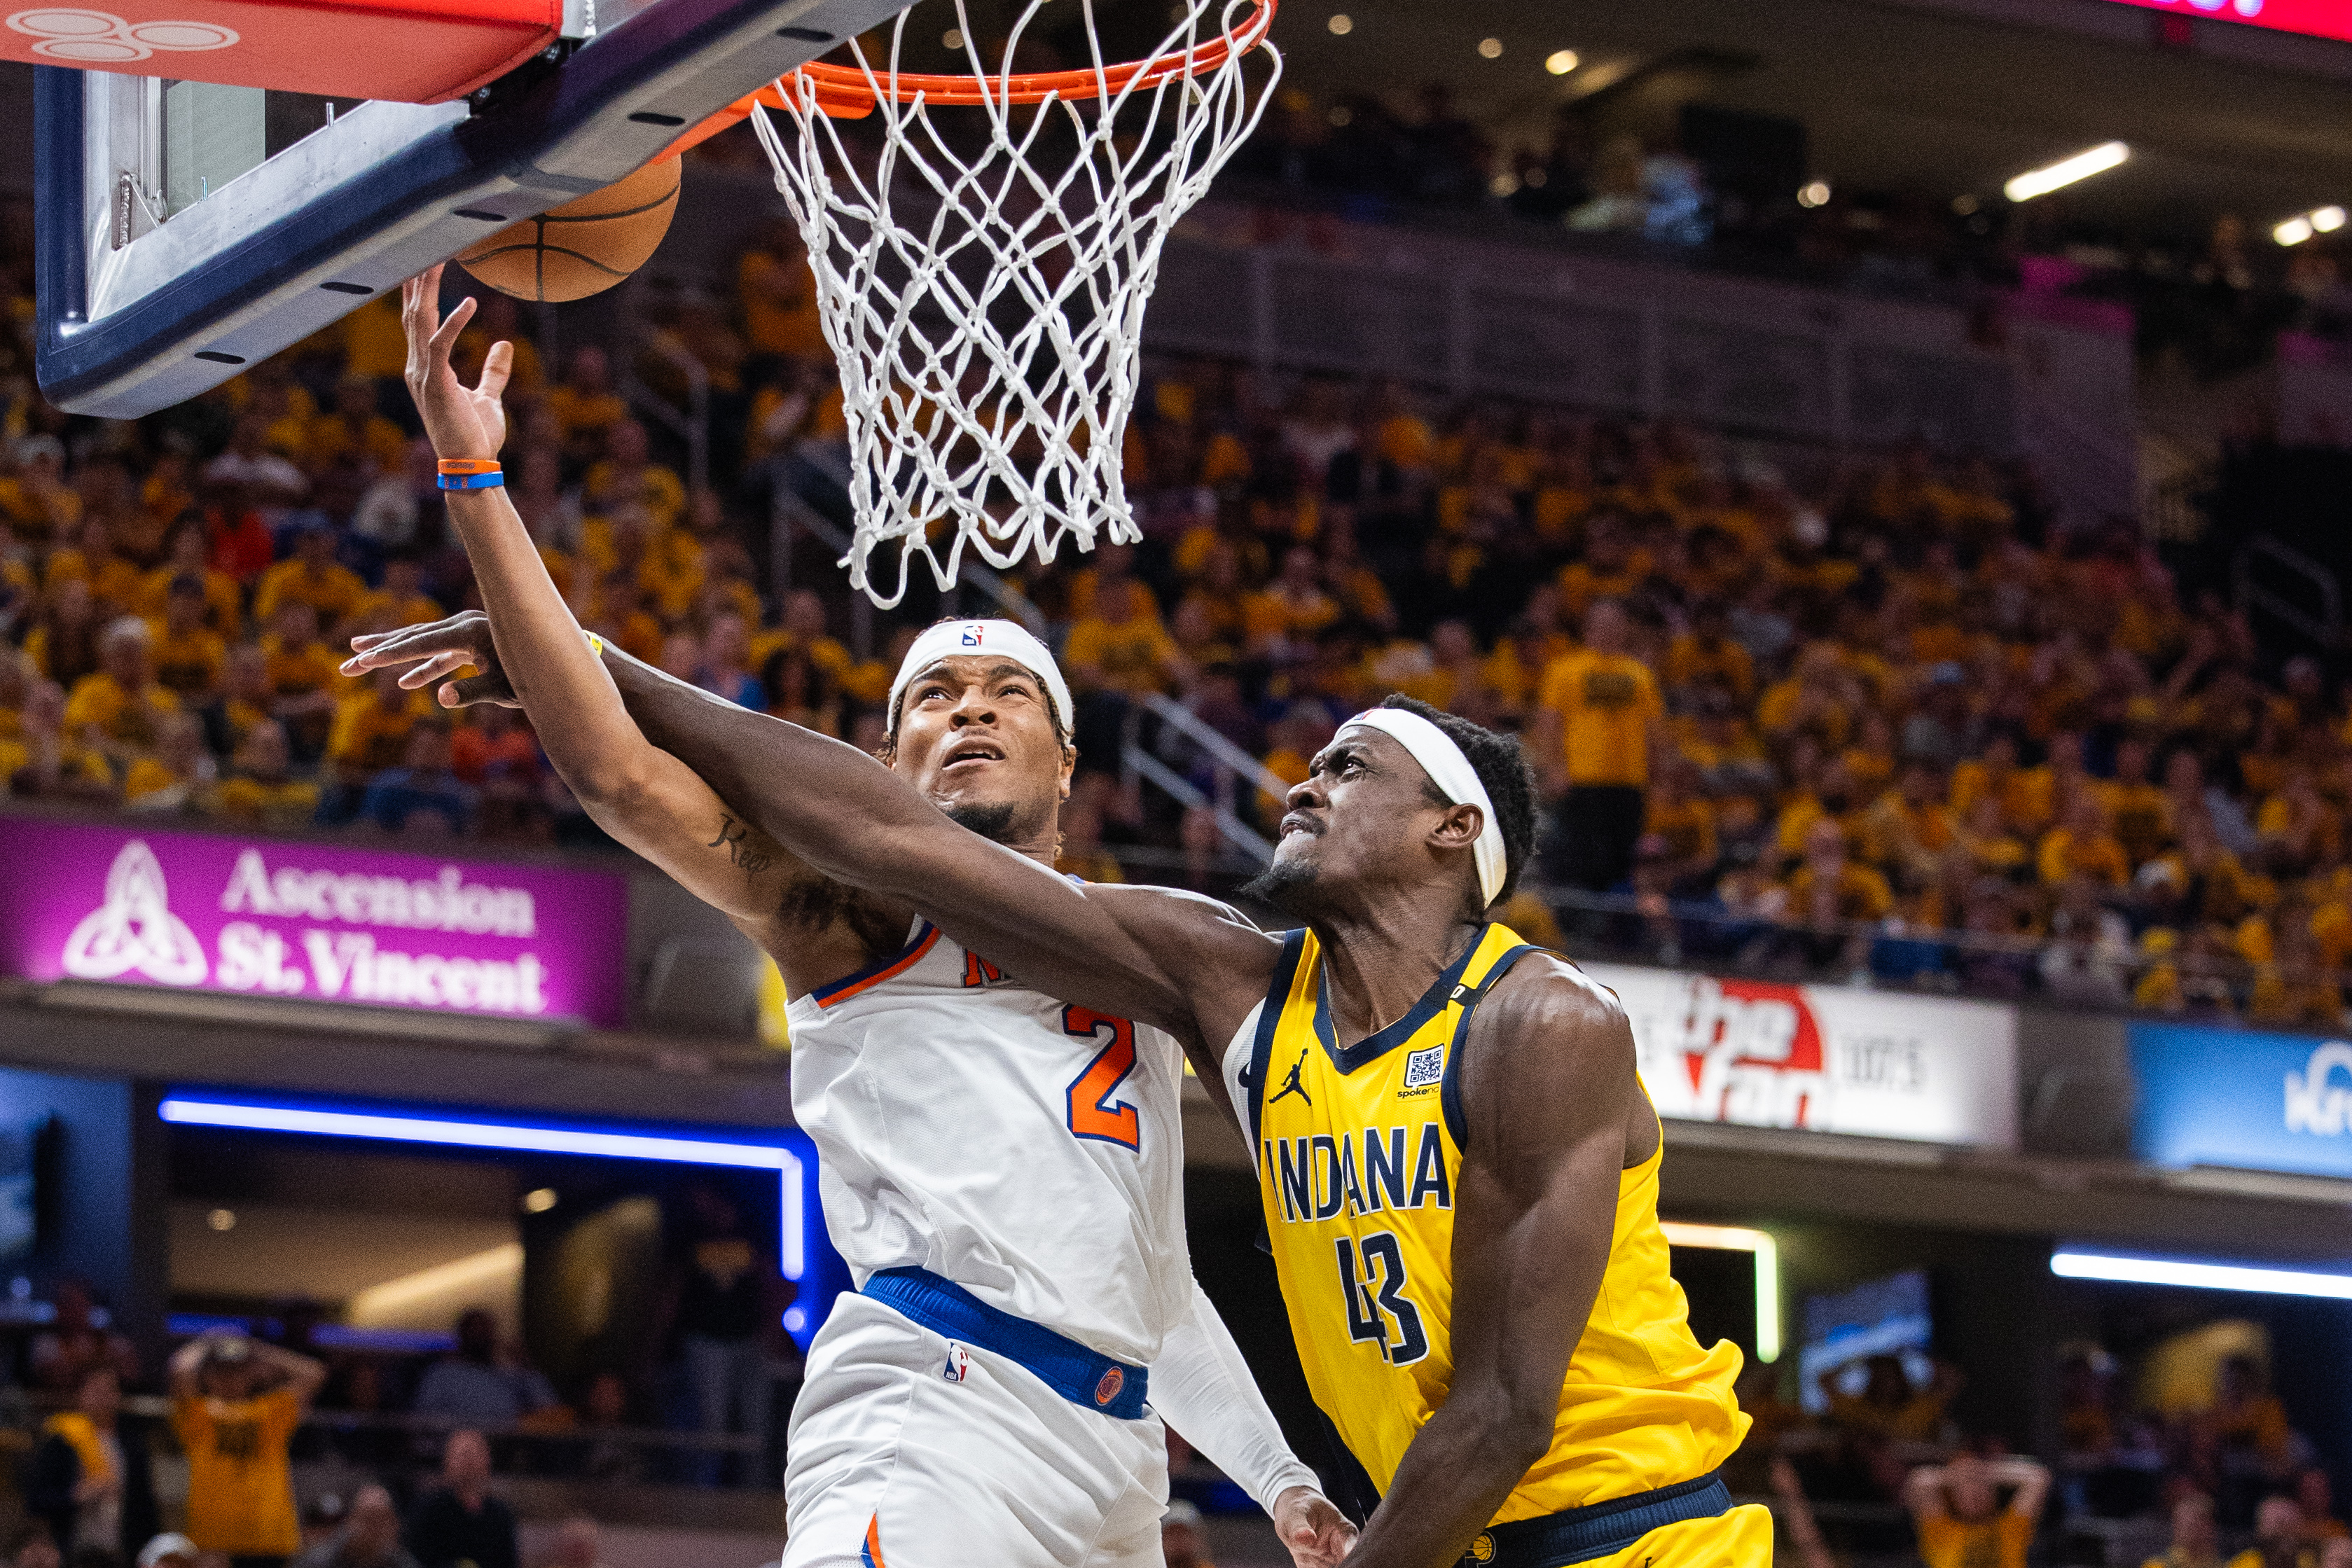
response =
{"points": [[1548, 1091], [643, 797]]}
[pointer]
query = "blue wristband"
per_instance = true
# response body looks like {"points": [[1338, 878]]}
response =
{"points": [[472, 481]]}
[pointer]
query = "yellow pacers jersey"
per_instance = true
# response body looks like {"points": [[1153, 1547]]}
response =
{"points": [[1359, 1149]]}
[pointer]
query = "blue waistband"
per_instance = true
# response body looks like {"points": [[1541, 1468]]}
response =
{"points": [[1597, 1530], [1079, 1374]]}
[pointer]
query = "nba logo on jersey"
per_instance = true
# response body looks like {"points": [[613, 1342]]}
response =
{"points": [[1107, 1389], [972, 635], [959, 1363], [1423, 1068]]}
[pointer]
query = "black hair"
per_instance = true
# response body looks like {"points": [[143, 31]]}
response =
{"points": [[1502, 769]]}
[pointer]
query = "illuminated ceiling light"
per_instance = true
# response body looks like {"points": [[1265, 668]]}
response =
{"points": [[2066, 172], [1492, 48], [1503, 184], [2328, 220], [951, 40], [2200, 1276], [2294, 231], [222, 1219], [1560, 62], [1964, 204], [1767, 1253], [1815, 194], [539, 1200], [460, 1131], [1341, 24]]}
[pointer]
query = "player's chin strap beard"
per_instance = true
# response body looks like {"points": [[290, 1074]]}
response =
{"points": [[993, 822]]}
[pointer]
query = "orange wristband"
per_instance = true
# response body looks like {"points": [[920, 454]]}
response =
{"points": [[469, 464]]}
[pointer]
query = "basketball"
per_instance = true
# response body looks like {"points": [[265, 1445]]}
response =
{"points": [[583, 247]]}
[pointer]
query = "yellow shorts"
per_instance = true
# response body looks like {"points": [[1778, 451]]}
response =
{"points": [[1739, 1538]]}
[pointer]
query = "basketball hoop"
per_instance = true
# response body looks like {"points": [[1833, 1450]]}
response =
{"points": [[985, 308]]}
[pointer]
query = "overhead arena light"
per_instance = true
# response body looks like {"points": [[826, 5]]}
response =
{"points": [[2129, 1271], [1767, 1253], [2066, 172], [2301, 227]]}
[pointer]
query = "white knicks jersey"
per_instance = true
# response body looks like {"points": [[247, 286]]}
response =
{"points": [[1028, 1150]]}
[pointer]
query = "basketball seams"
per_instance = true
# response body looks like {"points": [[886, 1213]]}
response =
{"points": [[568, 267]]}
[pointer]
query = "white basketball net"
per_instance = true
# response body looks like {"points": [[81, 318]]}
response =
{"points": [[986, 313]]}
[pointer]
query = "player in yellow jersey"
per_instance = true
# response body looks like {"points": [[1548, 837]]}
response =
{"points": [[1459, 1166]]}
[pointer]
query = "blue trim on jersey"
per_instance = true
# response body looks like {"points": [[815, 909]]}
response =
{"points": [[1449, 1082], [1378, 1043], [1601, 1529], [1269, 1018], [1082, 1376], [922, 930]]}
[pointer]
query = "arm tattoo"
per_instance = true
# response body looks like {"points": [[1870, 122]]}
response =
{"points": [[740, 853]]}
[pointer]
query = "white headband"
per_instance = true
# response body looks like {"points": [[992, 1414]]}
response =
{"points": [[1455, 779], [952, 639]]}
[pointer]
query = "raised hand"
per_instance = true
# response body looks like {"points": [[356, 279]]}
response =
{"points": [[463, 421], [439, 650]]}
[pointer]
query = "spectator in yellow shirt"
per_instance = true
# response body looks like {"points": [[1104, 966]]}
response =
{"points": [[300, 671], [1828, 889], [354, 430], [1599, 715], [583, 404], [2280, 1540], [236, 1403], [777, 294], [312, 577], [261, 788], [113, 581], [628, 474], [1121, 646], [1956, 1507], [1707, 655], [178, 773], [188, 654], [119, 709], [2081, 843], [401, 600], [371, 725], [224, 603]]}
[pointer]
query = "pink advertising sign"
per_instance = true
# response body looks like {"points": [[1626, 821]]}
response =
{"points": [[138, 906], [2321, 18]]}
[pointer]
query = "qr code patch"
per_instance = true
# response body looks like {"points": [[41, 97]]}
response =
{"points": [[1423, 1068]]}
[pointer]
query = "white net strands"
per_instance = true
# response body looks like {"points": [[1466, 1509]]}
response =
{"points": [[982, 267]]}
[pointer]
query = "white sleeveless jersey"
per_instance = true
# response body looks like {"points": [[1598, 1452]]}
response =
{"points": [[1028, 1150]]}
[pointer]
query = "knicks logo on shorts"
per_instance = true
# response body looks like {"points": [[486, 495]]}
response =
{"points": [[1107, 1389], [957, 1364]]}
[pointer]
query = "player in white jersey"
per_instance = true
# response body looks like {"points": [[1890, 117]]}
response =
{"points": [[1002, 1173]]}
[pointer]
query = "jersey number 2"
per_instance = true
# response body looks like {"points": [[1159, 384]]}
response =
{"points": [[1092, 1115], [1370, 1309]]}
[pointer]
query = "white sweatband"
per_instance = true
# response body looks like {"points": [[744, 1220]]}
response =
{"points": [[1455, 779], [953, 639]]}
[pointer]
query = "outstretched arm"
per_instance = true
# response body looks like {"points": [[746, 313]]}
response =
{"points": [[642, 796], [1548, 1091], [1203, 1388]]}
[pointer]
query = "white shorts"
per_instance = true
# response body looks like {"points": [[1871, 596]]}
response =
{"points": [[893, 1463]]}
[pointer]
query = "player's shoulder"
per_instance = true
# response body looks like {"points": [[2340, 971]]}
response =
{"points": [[1545, 992]]}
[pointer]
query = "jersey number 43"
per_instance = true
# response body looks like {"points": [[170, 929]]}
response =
{"points": [[1378, 1308]]}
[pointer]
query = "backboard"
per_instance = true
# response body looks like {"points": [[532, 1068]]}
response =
{"points": [[185, 229]]}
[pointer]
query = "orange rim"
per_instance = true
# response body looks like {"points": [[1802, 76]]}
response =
{"points": [[847, 92]]}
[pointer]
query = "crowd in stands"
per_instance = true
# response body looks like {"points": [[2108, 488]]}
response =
{"points": [[1793, 712]]}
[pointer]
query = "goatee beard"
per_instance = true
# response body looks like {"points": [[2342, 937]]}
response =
{"points": [[1284, 884], [993, 823]]}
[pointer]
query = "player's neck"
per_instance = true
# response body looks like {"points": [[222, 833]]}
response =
{"points": [[1378, 962]]}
